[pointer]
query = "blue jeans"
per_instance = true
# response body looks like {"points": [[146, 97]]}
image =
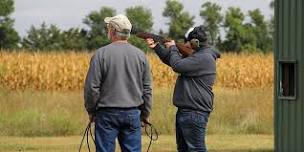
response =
{"points": [[121, 123], [190, 130]]}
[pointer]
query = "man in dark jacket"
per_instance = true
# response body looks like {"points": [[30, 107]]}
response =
{"points": [[118, 90], [193, 94]]}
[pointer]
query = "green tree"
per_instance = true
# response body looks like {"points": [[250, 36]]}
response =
{"points": [[8, 36], [52, 38], [248, 38], [271, 23], [97, 34], [239, 36], [211, 14], [261, 30], [140, 18], [180, 21], [139, 43], [74, 39], [43, 38], [271, 5]]}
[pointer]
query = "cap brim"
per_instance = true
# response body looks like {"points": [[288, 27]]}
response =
{"points": [[107, 19]]}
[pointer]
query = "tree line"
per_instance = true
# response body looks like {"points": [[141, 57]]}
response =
{"points": [[248, 31]]}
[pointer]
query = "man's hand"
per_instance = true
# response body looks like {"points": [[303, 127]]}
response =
{"points": [[151, 43], [170, 43], [92, 117], [144, 121]]}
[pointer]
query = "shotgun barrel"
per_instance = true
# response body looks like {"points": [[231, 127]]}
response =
{"points": [[183, 49]]}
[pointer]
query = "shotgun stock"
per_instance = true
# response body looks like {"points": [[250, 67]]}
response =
{"points": [[183, 49]]}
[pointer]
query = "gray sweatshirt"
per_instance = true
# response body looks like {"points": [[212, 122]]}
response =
{"points": [[197, 72], [118, 77]]}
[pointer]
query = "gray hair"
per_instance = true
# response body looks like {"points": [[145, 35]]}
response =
{"points": [[123, 35]]}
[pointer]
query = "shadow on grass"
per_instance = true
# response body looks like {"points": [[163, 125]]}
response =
{"points": [[244, 150], [231, 150], [19, 148]]}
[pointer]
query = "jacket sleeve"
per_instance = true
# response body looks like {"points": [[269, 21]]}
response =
{"points": [[93, 84], [162, 53], [182, 65], [147, 91]]}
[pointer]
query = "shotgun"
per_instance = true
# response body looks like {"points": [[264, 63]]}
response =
{"points": [[183, 49]]}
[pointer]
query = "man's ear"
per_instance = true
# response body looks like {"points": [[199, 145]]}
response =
{"points": [[114, 32], [111, 32]]}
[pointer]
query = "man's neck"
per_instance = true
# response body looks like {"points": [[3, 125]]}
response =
{"points": [[120, 41], [116, 40]]}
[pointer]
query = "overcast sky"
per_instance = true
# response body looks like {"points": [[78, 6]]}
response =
{"points": [[70, 13]]}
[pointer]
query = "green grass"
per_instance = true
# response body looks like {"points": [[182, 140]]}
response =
{"points": [[31, 113], [37, 113], [215, 143]]}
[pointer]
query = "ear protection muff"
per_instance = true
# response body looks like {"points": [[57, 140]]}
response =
{"points": [[195, 43]]}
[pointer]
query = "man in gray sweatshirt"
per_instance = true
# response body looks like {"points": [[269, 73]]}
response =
{"points": [[117, 90], [193, 94]]}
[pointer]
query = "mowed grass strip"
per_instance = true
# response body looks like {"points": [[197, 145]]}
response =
{"points": [[45, 113], [215, 143]]}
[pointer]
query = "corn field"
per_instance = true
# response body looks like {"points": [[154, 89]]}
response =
{"points": [[67, 70]]}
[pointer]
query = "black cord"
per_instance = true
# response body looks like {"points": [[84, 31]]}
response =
{"points": [[86, 134], [92, 135], [153, 135]]}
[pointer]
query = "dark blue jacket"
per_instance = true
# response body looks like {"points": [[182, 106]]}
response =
{"points": [[197, 73]]}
